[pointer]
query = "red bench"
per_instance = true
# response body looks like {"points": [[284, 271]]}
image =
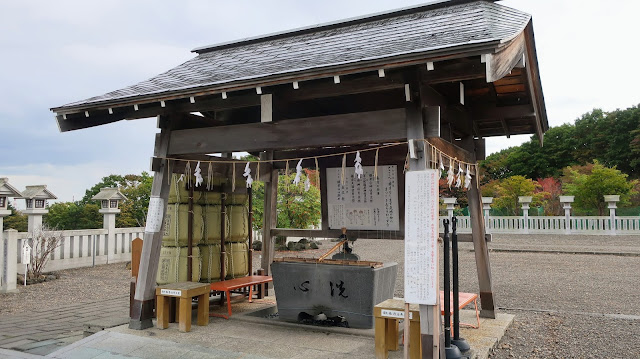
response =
{"points": [[227, 286], [463, 300]]}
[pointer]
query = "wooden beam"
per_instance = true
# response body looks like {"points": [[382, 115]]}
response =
{"points": [[144, 297], [452, 150], [101, 115], [334, 130], [372, 234], [455, 73], [534, 86], [505, 128], [348, 86]]}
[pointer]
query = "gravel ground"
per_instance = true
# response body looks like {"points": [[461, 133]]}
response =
{"points": [[74, 286], [566, 305]]}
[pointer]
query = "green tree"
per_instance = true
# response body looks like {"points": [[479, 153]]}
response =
{"points": [[116, 181], [589, 185], [16, 220], [71, 215], [137, 189], [613, 138], [296, 207]]}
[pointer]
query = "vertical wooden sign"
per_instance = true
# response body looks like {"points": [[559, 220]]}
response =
{"points": [[421, 237]]}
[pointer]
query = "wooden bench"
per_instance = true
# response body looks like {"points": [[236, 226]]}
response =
{"points": [[184, 293], [388, 313], [227, 286], [387, 316]]}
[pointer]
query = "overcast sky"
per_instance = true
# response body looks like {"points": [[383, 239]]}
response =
{"points": [[56, 52]]}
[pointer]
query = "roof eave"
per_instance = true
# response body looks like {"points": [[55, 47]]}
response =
{"points": [[404, 59]]}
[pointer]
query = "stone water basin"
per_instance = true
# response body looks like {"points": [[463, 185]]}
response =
{"points": [[306, 288]]}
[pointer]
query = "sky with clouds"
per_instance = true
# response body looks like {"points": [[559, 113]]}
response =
{"points": [[56, 52]]}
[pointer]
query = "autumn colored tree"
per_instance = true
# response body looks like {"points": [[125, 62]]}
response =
{"points": [[509, 189], [551, 190]]}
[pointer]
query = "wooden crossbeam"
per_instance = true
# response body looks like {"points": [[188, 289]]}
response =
{"points": [[335, 130], [455, 73]]}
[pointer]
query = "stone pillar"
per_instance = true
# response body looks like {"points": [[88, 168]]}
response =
{"points": [[109, 223], [9, 261], [3, 213], [611, 201], [34, 219], [525, 201], [451, 203], [486, 207], [566, 204]]}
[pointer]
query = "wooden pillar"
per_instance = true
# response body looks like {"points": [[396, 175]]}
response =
{"points": [[488, 309], [250, 250], [144, 298], [223, 239], [270, 219], [429, 314]]}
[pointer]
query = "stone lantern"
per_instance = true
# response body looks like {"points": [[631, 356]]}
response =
{"points": [[450, 202], [36, 198], [612, 201], [566, 204], [109, 199], [525, 201], [6, 191], [486, 206]]}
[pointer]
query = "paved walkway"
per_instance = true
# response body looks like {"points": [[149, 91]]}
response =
{"points": [[42, 331]]}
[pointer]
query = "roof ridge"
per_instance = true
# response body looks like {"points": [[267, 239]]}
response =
{"points": [[336, 24]]}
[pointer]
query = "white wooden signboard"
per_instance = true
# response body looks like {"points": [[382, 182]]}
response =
{"points": [[421, 237], [366, 202], [26, 254], [154, 215]]}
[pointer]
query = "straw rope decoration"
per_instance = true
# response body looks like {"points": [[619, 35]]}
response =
{"points": [[438, 157]]}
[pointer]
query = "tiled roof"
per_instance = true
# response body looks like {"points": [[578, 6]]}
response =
{"points": [[423, 31], [38, 191], [8, 190], [108, 193]]}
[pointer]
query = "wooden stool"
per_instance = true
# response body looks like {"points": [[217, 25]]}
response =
{"points": [[387, 316], [184, 293]]}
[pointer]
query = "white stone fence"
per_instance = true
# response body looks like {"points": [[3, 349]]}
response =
{"points": [[79, 248], [567, 224]]}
